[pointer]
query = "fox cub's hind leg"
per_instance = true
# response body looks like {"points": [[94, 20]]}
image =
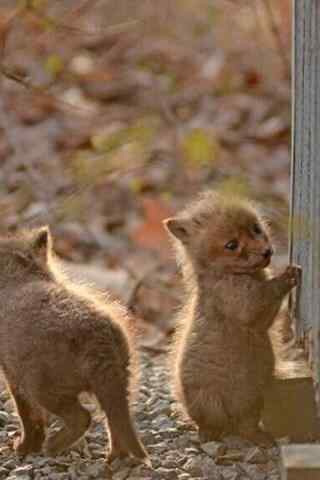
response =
{"points": [[33, 420], [76, 422], [122, 435]]}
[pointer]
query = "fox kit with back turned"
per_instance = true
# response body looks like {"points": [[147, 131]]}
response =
{"points": [[56, 341], [222, 352]]}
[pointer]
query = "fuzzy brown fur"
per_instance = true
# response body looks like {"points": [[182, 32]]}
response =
{"points": [[56, 341], [223, 354]]}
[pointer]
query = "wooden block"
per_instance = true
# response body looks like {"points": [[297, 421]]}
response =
{"points": [[290, 407], [300, 462]]}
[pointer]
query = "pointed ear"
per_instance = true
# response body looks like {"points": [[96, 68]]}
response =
{"points": [[178, 227], [41, 242]]}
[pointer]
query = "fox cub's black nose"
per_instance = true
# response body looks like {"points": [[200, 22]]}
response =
{"points": [[268, 253]]}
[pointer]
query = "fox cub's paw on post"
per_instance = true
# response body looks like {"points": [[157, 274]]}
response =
{"points": [[292, 275]]}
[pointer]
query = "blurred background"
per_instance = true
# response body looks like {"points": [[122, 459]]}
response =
{"points": [[113, 114]]}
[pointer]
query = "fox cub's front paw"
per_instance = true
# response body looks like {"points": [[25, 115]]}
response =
{"points": [[292, 275]]}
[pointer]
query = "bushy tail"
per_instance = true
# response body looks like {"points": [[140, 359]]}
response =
{"points": [[120, 424], [124, 440]]}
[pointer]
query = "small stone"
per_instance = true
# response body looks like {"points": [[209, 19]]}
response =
{"points": [[167, 473], [214, 449], [231, 475], [230, 458], [158, 437], [209, 468], [58, 476], [9, 405], [183, 441], [60, 462], [256, 455], [47, 470], [115, 464], [169, 463], [194, 438], [98, 453], [94, 438], [121, 474], [19, 477], [4, 394], [274, 453], [97, 469], [193, 466], [4, 418], [192, 451], [184, 476], [155, 461], [3, 473], [253, 472], [22, 471], [74, 455], [170, 433], [148, 436], [152, 476], [163, 423], [10, 464], [161, 407], [232, 441], [73, 474], [140, 471], [145, 390], [11, 427], [157, 447]]}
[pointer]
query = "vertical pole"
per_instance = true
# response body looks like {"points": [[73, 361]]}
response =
{"points": [[305, 170]]}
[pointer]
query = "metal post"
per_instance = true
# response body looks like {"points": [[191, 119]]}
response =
{"points": [[305, 171]]}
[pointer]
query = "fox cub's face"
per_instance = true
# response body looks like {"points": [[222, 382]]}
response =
{"points": [[25, 253], [223, 233]]}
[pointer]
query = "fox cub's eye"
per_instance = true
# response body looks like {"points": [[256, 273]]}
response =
{"points": [[232, 245], [257, 229]]}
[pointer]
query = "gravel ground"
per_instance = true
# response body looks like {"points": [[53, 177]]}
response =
{"points": [[173, 445]]}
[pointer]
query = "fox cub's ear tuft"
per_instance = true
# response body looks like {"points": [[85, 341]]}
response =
{"points": [[178, 227]]}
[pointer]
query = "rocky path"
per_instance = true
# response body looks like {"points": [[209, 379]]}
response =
{"points": [[173, 445]]}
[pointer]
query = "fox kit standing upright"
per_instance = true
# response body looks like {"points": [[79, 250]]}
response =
{"points": [[223, 354], [57, 341]]}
